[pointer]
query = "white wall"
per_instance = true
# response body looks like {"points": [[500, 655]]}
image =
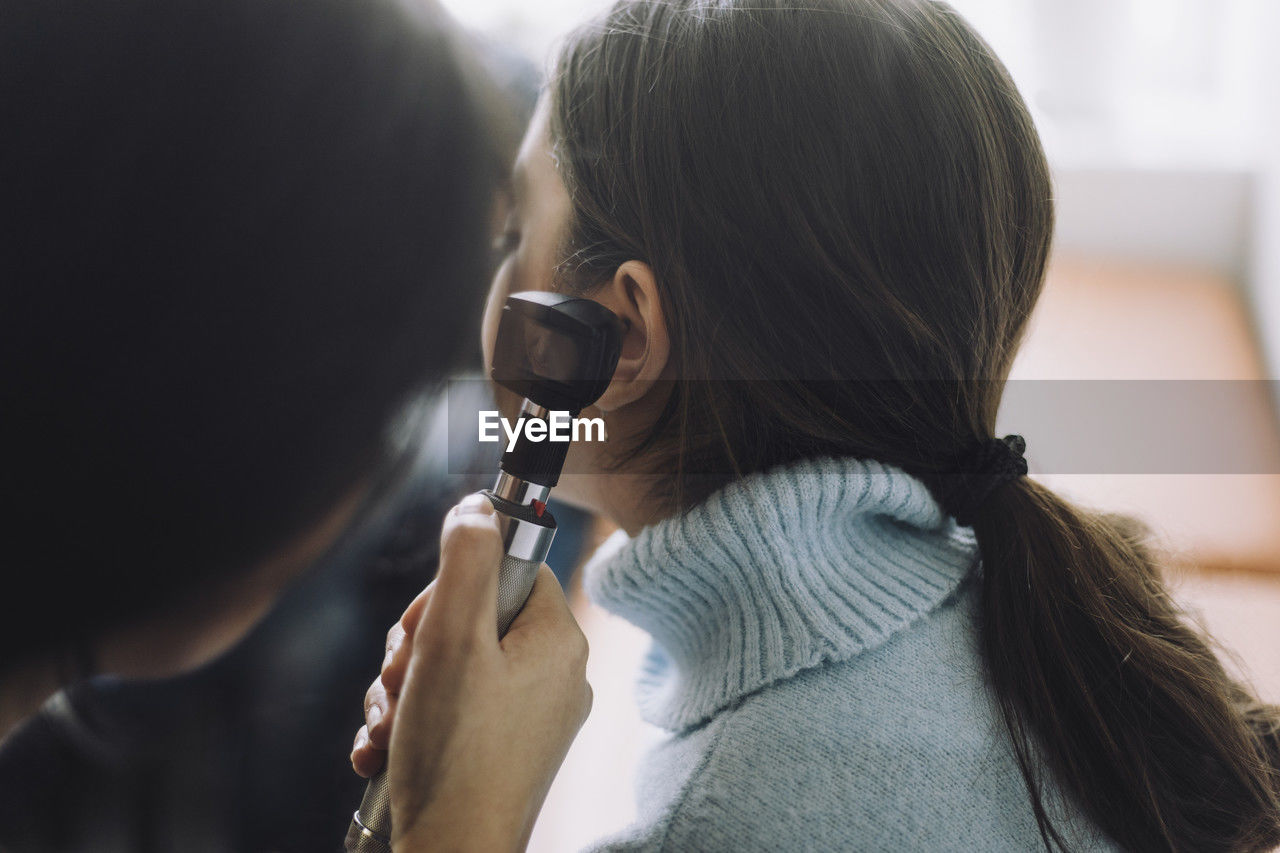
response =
{"points": [[1265, 278], [1197, 218]]}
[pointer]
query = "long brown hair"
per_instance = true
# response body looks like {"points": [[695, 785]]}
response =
{"points": [[846, 201]]}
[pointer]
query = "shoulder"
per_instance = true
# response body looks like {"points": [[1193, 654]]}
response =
{"points": [[898, 748], [895, 749]]}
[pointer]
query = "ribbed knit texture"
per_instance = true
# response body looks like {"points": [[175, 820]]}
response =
{"points": [[815, 663]]}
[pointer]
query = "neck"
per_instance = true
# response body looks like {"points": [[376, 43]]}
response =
{"points": [[23, 689], [621, 498], [818, 560]]}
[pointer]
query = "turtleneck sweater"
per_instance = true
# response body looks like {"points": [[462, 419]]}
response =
{"points": [[816, 671]]}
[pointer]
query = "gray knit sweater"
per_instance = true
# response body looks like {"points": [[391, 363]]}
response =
{"points": [[815, 665]]}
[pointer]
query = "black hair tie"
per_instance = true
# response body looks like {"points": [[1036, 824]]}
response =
{"points": [[988, 466]]}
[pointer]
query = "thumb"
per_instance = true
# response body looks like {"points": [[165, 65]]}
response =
{"points": [[464, 603]]}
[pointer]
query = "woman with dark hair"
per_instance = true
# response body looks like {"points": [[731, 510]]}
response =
{"points": [[235, 239], [825, 224]]}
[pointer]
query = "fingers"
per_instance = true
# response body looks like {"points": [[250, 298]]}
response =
{"points": [[395, 663], [366, 759], [380, 700], [455, 612], [379, 713], [460, 611], [395, 641], [413, 613]]}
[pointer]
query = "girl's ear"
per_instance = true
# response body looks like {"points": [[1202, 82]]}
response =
{"points": [[632, 294]]}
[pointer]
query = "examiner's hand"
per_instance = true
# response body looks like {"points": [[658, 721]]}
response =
{"points": [[475, 729]]}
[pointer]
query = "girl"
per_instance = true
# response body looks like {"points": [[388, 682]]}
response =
{"points": [[824, 224]]}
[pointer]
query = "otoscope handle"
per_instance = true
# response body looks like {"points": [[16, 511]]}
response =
{"points": [[528, 536]]}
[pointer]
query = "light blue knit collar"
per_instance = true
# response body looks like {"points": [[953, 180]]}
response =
{"points": [[813, 562]]}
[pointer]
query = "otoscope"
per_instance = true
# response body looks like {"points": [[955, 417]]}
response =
{"points": [[558, 353]]}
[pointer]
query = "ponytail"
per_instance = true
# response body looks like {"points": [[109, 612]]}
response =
{"points": [[1097, 673]]}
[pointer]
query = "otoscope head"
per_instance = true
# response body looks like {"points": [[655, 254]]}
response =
{"points": [[556, 351], [559, 353]]}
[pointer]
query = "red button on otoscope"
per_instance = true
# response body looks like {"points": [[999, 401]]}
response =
{"points": [[539, 508]]}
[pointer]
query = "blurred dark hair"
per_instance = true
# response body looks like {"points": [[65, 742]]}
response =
{"points": [[237, 237], [846, 202]]}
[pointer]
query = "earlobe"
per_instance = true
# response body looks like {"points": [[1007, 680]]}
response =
{"points": [[632, 294]]}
